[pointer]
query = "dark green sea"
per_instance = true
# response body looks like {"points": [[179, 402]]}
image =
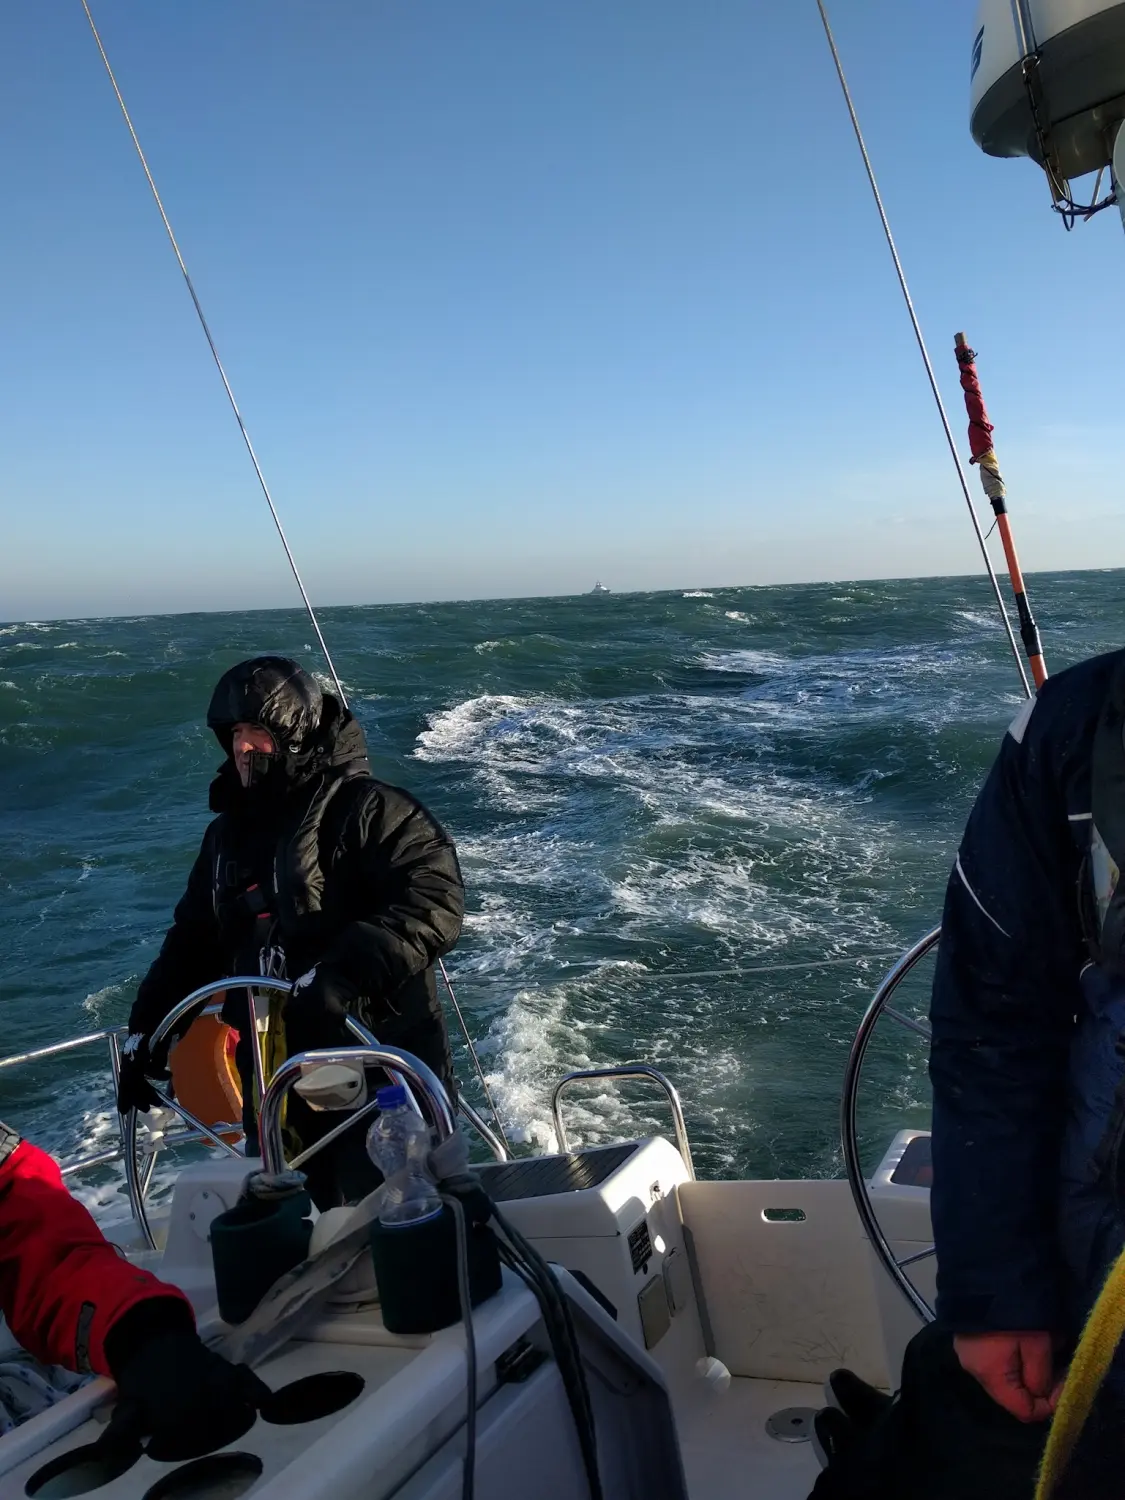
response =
{"points": [[671, 809]]}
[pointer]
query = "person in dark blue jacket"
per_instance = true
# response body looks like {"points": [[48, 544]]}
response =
{"points": [[1028, 1006], [1027, 1063]]}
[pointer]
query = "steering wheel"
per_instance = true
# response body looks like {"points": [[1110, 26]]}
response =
{"points": [[849, 1137], [138, 1175]]}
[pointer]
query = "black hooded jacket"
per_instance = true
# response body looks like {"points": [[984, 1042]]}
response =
{"points": [[318, 859]]}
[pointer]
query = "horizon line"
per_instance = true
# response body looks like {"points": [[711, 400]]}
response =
{"points": [[299, 608]]}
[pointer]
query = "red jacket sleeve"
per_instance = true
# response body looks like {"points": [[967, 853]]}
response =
{"points": [[63, 1286]]}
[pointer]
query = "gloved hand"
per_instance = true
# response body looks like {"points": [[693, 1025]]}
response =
{"points": [[137, 1066], [315, 1006], [187, 1400]]}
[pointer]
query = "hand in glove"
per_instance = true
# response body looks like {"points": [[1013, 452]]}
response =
{"points": [[172, 1389], [137, 1066], [315, 1007]]}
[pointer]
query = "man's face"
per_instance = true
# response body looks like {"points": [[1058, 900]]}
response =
{"points": [[246, 740]]}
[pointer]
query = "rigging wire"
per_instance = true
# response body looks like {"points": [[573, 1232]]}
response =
{"points": [[916, 324], [473, 1053], [215, 354], [626, 971]]}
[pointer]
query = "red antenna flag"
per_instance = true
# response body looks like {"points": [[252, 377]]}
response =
{"points": [[984, 456]]}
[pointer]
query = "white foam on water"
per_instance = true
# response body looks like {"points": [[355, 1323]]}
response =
{"points": [[698, 594], [502, 936], [89, 1126], [547, 1032], [457, 733], [524, 750], [746, 866], [929, 684], [46, 645], [533, 1044], [103, 1002], [769, 663], [326, 684], [549, 737], [541, 1036]]}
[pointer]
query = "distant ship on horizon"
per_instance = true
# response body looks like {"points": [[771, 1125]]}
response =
{"points": [[600, 588]]}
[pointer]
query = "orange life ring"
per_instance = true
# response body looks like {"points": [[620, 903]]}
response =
{"points": [[204, 1076]]}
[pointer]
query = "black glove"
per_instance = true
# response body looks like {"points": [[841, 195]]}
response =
{"points": [[315, 1007], [187, 1400], [137, 1066]]}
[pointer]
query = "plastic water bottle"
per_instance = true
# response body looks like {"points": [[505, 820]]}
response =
{"points": [[400, 1139]]}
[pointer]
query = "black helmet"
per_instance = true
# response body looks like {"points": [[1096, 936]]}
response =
{"points": [[272, 691]]}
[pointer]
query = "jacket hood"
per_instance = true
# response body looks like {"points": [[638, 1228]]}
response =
{"points": [[273, 691], [311, 730]]}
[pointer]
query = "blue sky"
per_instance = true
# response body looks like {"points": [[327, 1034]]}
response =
{"points": [[518, 294]]}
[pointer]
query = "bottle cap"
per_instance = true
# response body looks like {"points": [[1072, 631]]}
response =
{"points": [[392, 1097]]}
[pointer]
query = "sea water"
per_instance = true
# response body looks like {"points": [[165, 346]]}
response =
{"points": [[695, 827]]}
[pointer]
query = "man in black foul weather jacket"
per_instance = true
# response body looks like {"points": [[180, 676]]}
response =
{"points": [[313, 869], [1027, 1063]]}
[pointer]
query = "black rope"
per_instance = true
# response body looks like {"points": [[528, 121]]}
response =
{"points": [[521, 1257], [525, 1260], [469, 1467]]}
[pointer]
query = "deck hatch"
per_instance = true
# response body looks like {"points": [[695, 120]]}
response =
{"points": [[546, 1176]]}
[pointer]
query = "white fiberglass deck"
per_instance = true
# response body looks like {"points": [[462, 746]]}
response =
{"points": [[774, 1279], [727, 1451]]}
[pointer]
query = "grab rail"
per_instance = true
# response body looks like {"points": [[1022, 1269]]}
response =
{"points": [[626, 1070], [57, 1047], [392, 1060]]}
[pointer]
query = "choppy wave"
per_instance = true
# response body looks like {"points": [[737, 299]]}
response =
{"points": [[665, 811]]}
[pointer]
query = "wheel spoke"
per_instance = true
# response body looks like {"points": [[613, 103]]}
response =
{"points": [[911, 1260]]}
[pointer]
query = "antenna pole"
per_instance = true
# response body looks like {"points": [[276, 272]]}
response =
{"points": [[992, 482], [215, 355]]}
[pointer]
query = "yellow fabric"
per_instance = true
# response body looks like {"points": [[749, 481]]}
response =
{"points": [[990, 476], [1096, 1348], [273, 1043]]}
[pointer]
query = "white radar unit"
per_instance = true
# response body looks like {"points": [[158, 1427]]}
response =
{"points": [[1048, 82]]}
